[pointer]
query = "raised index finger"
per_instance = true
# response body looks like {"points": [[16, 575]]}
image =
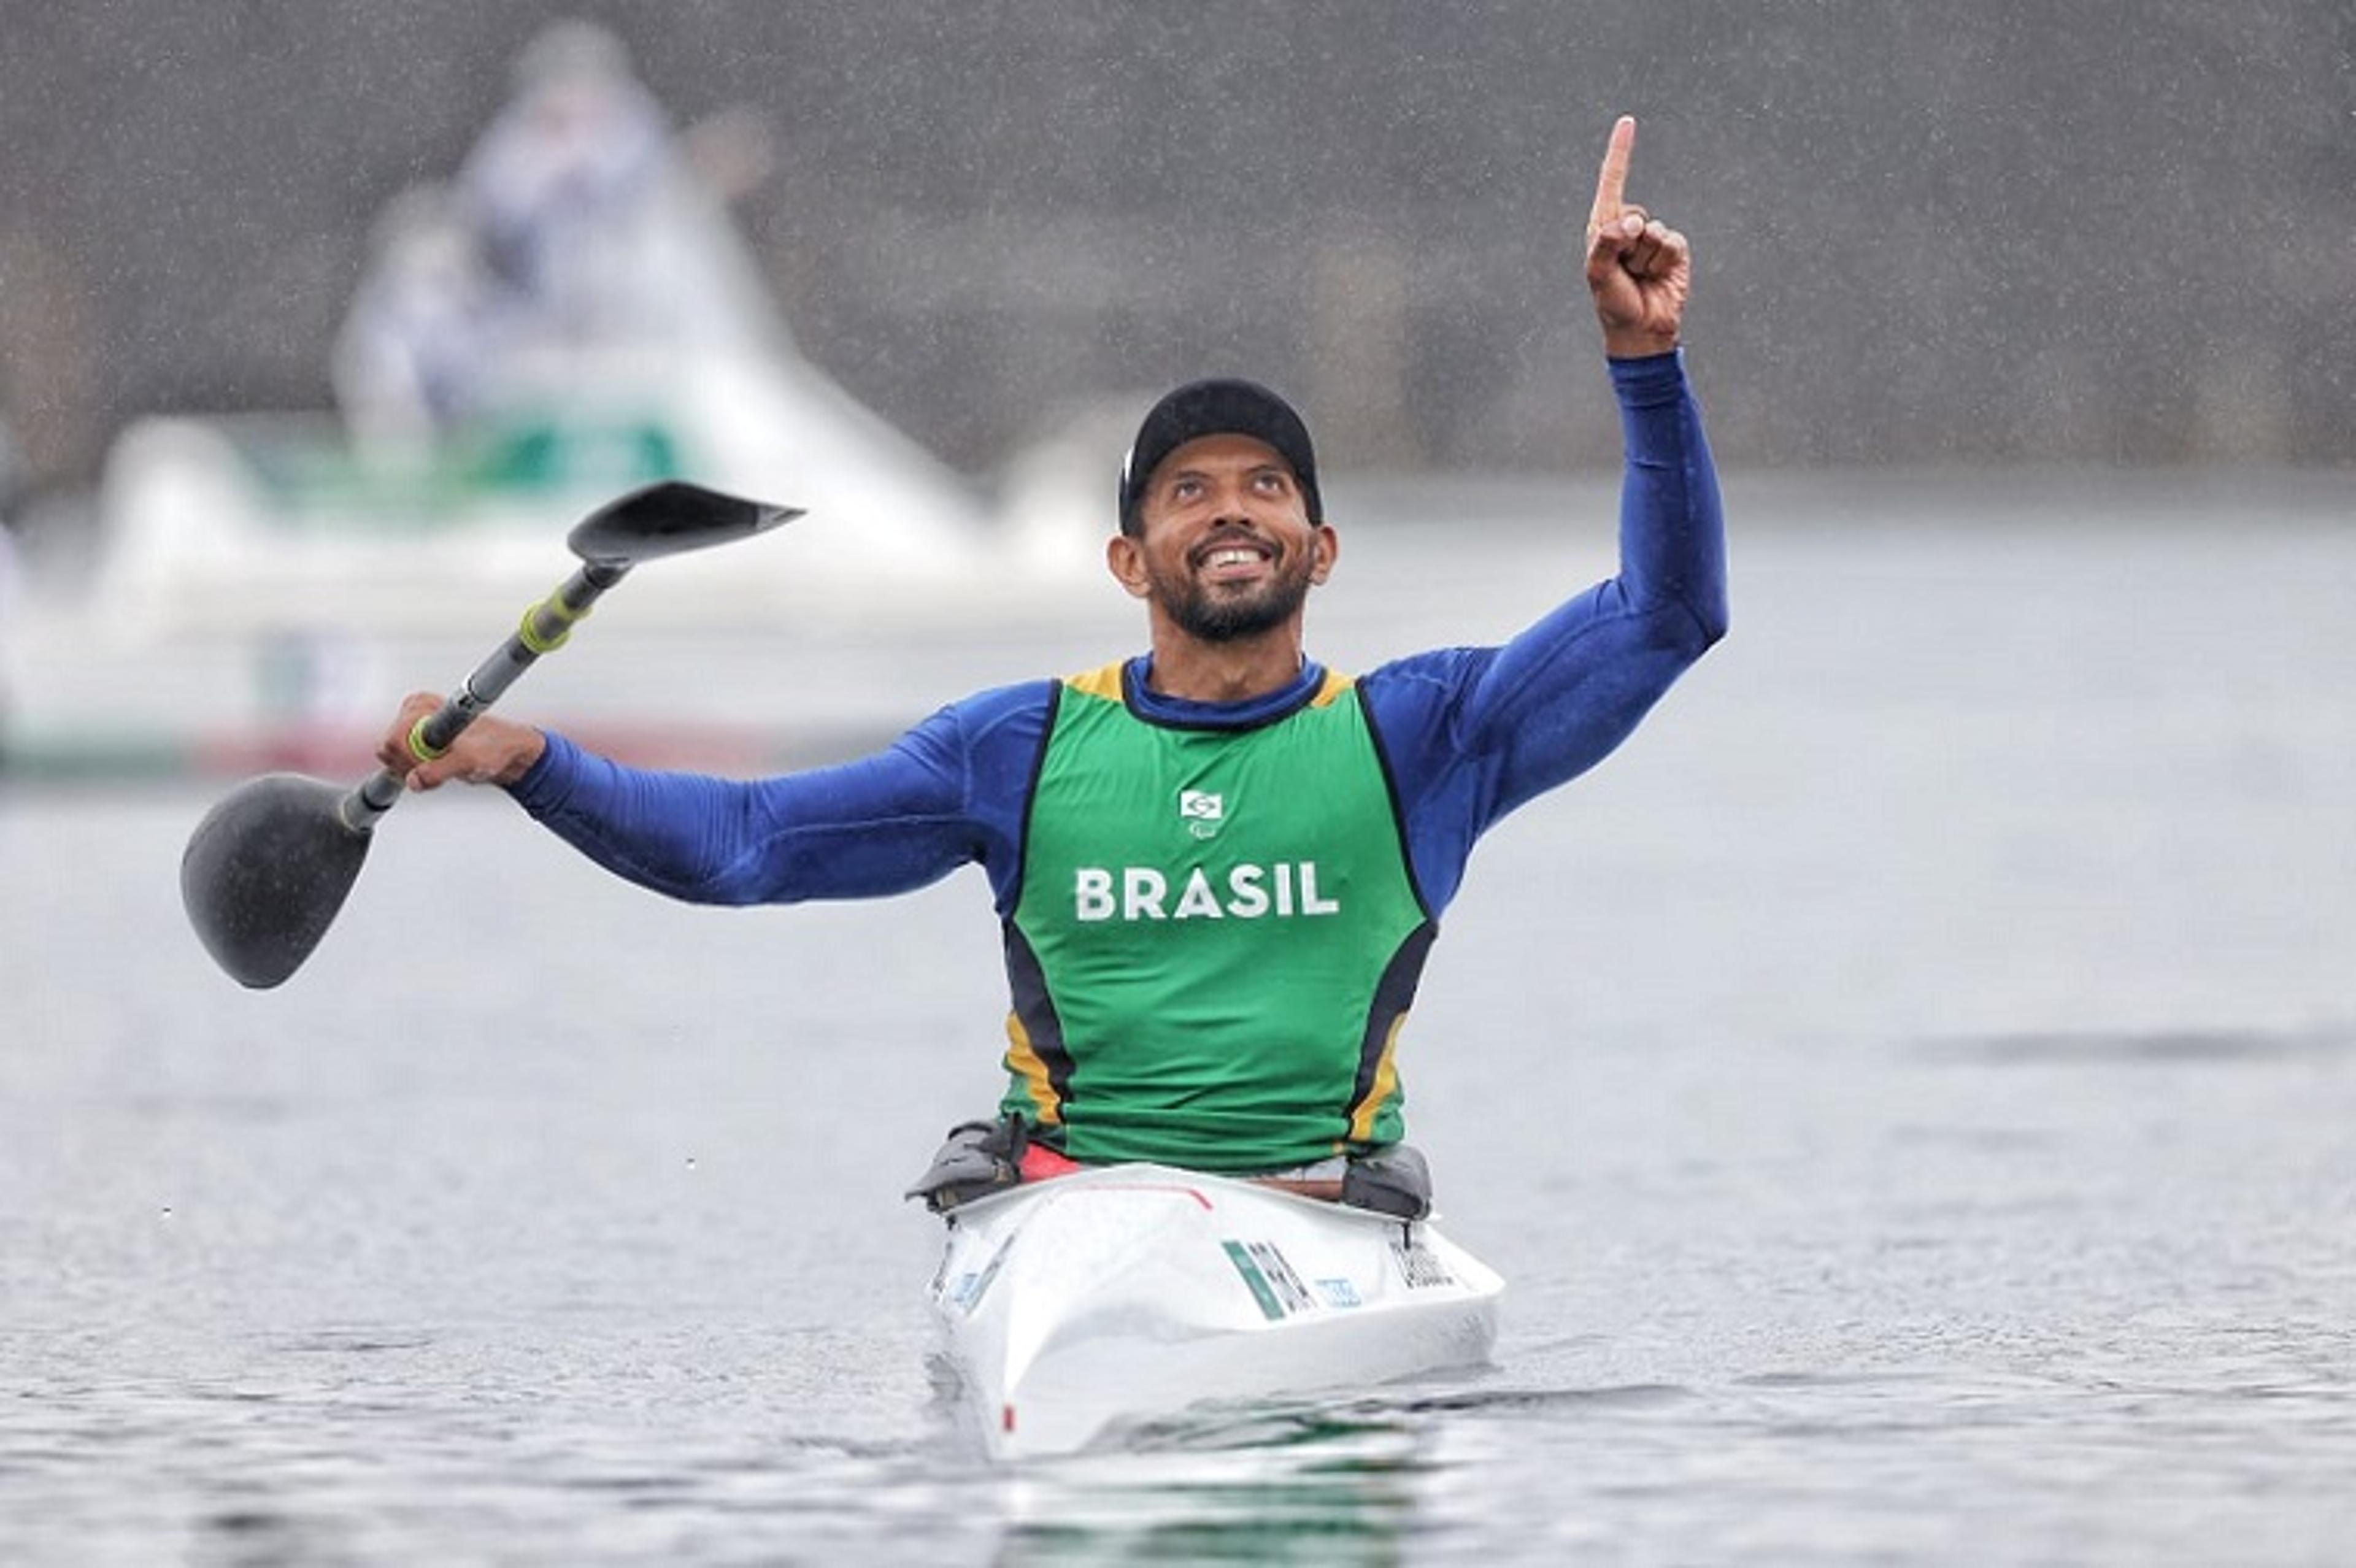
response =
{"points": [[1613, 180]]}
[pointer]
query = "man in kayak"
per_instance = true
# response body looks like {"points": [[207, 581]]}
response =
{"points": [[1218, 865]]}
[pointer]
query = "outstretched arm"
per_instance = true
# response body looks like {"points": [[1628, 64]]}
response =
{"points": [[945, 793], [886, 824]]}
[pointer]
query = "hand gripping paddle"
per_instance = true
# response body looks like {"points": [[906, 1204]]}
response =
{"points": [[268, 867]]}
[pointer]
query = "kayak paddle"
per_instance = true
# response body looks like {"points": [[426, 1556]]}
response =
{"points": [[268, 867]]}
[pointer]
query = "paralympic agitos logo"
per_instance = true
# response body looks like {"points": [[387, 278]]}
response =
{"points": [[1201, 812]]}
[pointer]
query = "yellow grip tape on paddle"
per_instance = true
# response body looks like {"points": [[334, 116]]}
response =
{"points": [[422, 748], [556, 610]]}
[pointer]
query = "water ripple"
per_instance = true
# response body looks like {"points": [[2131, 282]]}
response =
{"points": [[2153, 1048]]}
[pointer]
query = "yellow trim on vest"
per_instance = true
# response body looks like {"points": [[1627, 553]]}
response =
{"points": [[1023, 1060], [1104, 683], [1362, 1114]]}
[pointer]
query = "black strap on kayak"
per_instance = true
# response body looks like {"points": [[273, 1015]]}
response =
{"points": [[977, 1159], [1395, 1180]]}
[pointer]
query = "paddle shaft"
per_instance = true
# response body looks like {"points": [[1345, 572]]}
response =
{"points": [[544, 628]]}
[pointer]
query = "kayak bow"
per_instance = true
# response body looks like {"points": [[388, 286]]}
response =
{"points": [[1087, 1305]]}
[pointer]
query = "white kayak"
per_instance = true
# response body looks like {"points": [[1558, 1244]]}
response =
{"points": [[1087, 1304]]}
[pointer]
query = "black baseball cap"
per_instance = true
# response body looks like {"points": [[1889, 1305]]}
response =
{"points": [[1221, 407]]}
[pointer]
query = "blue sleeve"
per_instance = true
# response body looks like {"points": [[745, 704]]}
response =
{"points": [[1470, 734], [950, 791]]}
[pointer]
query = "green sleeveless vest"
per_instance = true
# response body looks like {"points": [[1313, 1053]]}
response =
{"points": [[1216, 937]]}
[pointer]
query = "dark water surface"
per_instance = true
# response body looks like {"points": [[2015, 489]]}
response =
{"points": [[1911, 1089]]}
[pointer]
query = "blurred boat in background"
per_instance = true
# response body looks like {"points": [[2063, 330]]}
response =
{"points": [[572, 316]]}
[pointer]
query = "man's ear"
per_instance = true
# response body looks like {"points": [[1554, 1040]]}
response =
{"points": [[1327, 551], [1125, 558]]}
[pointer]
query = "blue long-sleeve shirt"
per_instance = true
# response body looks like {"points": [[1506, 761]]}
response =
{"points": [[1469, 733]]}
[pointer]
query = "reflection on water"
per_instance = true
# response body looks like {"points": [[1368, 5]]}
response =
{"points": [[1374, 1479], [1910, 1093], [1332, 1490]]}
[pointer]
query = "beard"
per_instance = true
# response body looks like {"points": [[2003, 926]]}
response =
{"points": [[1212, 615]]}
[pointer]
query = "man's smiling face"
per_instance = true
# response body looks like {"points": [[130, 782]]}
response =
{"points": [[1225, 546]]}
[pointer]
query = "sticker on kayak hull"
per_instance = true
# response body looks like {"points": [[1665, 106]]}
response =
{"points": [[1340, 1292], [965, 1292], [1270, 1279], [1419, 1266]]}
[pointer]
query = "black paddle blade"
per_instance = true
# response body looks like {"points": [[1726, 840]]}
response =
{"points": [[670, 518], [265, 873]]}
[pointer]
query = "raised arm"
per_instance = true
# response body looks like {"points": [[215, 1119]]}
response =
{"points": [[1558, 697], [1474, 732]]}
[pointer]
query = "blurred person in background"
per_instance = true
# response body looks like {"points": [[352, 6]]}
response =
{"points": [[579, 229], [418, 352], [1219, 866], [562, 190]]}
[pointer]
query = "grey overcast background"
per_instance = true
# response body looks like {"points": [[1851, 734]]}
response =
{"points": [[2107, 232]]}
